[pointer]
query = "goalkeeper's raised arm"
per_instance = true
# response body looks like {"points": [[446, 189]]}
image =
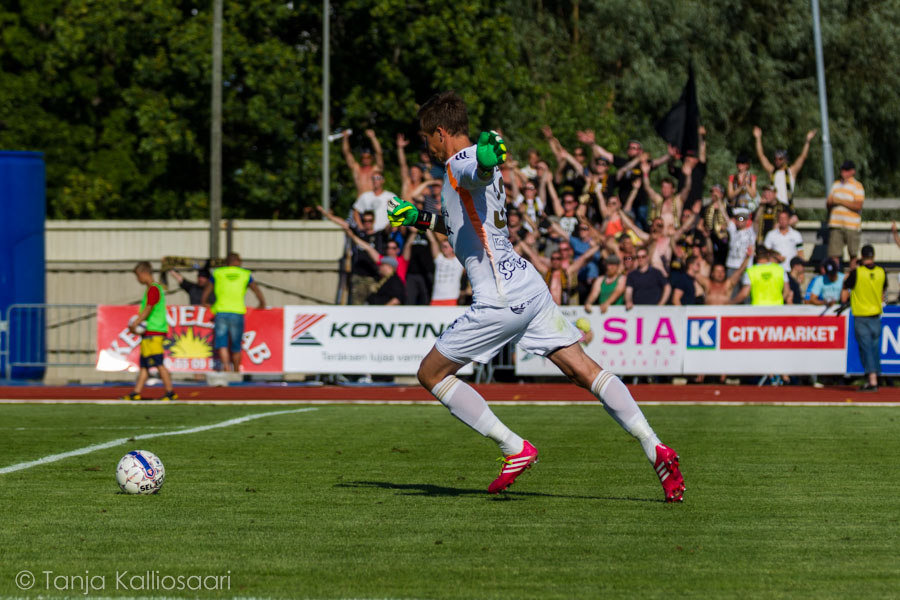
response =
{"points": [[403, 213], [490, 152]]}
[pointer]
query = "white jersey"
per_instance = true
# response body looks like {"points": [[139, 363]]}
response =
{"points": [[475, 217], [447, 275]]}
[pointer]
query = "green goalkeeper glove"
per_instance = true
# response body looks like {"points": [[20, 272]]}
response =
{"points": [[400, 212], [490, 150]]}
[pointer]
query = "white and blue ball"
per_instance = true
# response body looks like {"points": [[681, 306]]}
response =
{"points": [[140, 472]]}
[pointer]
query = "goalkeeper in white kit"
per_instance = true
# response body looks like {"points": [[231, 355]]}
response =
{"points": [[510, 300]]}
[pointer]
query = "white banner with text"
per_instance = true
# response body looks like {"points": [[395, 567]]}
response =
{"points": [[378, 340]]}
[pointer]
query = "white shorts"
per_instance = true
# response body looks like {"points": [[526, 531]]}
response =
{"points": [[538, 326]]}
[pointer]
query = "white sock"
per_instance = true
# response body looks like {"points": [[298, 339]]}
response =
{"points": [[468, 406], [620, 405]]}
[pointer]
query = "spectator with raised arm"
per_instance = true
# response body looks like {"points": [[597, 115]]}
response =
{"points": [[698, 171], [529, 202], [561, 279], [362, 170], [720, 287], [715, 216], [448, 271], [845, 203], [667, 204], [414, 180], [363, 270], [375, 201], [628, 168], [571, 169], [783, 176], [742, 190]]}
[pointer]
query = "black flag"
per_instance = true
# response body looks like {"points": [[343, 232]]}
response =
{"points": [[679, 126]]}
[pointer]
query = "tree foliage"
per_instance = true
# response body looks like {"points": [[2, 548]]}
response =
{"points": [[117, 93]]}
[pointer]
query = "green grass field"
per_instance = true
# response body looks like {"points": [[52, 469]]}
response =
{"points": [[389, 502]]}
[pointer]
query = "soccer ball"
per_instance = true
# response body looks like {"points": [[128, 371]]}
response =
{"points": [[140, 472], [140, 327]]}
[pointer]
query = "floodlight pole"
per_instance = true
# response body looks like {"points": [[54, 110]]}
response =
{"points": [[215, 141], [326, 115], [823, 99]]}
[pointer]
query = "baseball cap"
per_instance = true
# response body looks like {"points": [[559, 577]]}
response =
{"points": [[742, 158], [867, 251], [612, 259], [848, 165], [782, 153], [741, 213], [389, 260], [830, 267], [769, 186]]}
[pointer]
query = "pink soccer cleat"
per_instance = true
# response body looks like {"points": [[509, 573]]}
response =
{"points": [[513, 466], [669, 474]]}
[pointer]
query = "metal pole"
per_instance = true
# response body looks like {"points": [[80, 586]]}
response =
{"points": [[215, 142], [326, 115], [823, 99]]}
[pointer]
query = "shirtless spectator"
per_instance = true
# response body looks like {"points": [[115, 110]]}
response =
{"points": [[719, 288], [362, 170]]}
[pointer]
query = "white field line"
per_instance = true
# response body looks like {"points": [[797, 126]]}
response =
{"points": [[88, 449], [847, 402]]}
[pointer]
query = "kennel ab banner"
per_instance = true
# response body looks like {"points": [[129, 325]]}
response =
{"points": [[392, 340], [189, 345]]}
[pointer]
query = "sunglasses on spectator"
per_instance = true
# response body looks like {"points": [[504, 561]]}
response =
{"points": [[628, 257], [641, 256]]}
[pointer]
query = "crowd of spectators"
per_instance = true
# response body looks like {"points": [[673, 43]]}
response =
{"points": [[606, 229]]}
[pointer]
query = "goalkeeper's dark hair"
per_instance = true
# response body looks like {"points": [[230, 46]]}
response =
{"points": [[445, 110]]}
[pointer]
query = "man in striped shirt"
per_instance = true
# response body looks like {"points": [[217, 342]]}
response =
{"points": [[845, 203]]}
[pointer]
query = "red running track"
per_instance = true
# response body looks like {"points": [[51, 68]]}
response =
{"points": [[494, 392]]}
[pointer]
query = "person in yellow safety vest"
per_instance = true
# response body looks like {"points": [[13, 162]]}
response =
{"points": [[864, 289], [765, 282], [230, 284], [153, 328]]}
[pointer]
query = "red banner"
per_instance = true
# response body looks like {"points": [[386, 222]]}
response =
{"points": [[788, 332], [189, 345]]}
